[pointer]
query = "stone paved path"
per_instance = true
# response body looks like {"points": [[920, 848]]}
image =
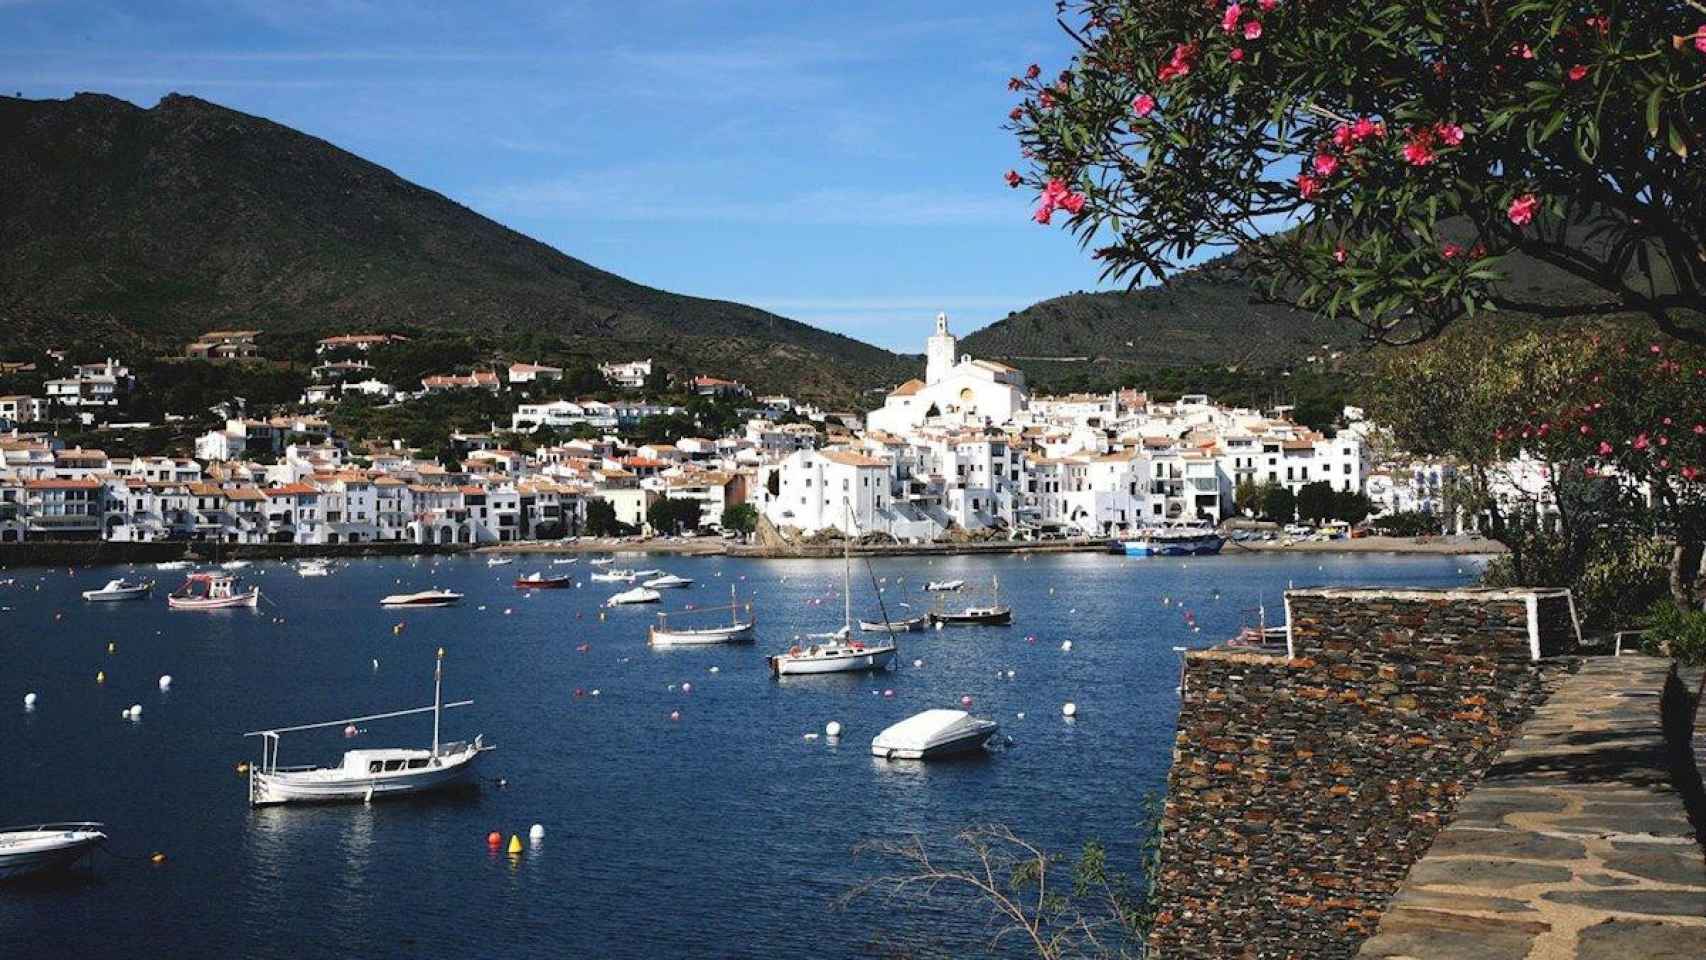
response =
{"points": [[1574, 846]]}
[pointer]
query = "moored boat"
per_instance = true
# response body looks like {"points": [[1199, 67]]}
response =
{"points": [[635, 595], [837, 652], [423, 598], [539, 581], [213, 591], [173, 565], [944, 586], [933, 734], [1179, 541], [667, 634], [314, 568], [668, 581], [993, 613], [901, 625], [615, 576], [45, 847], [499, 561], [120, 590]]}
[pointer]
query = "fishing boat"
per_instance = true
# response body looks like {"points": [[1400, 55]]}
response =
{"points": [[213, 591], [1262, 636], [539, 581], [120, 590], [944, 586], [636, 595], [367, 775], [424, 598], [668, 581], [837, 652], [46, 847], [902, 625], [994, 613], [933, 734], [1175, 541], [615, 576], [500, 561], [667, 634], [314, 568]]}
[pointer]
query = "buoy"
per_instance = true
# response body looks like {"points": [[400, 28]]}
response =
{"points": [[889, 694], [1069, 709], [514, 845], [29, 700], [494, 839], [1010, 674], [687, 688], [124, 714], [166, 681], [349, 731], [595, 691], [536, 832], [376, 664], [675, 714], [965, 701], [716, 669], [397, 630], [157, 858], [918, 663], [136, 711], [832, 729], [112, 648], [507, 611], [811, 736], [242, 768], [1066, 644], [1021, 715], [100, 676]]}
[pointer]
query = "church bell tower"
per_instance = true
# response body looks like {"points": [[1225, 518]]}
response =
{"points": [[940, 355]]}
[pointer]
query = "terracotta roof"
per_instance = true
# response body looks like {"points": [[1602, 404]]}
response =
{"points": [[849, 458], [907, 389], [245, 493], [293, 489], [62, 484]]}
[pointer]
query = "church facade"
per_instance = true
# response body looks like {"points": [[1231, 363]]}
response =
{"points": [[955, 391]]}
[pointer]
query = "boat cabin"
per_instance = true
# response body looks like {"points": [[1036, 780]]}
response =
{"points": [[368, 762]]}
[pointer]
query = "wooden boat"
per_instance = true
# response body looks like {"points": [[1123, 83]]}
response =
{"points": [[994, 613], [46, 847], [367, 775], [539, 581], [120, 590], [664, 634], [903, 625], [424, 598], [213, 591]]}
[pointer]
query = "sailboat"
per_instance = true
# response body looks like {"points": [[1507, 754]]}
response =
{"points": [[993, 613], [735, 631], [367, 774], [837, 652]]}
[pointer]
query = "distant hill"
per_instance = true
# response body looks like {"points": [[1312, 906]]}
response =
{"points": [[149, 226]]}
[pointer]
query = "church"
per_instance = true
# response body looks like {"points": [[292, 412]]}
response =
{"points": [[956, 390]]}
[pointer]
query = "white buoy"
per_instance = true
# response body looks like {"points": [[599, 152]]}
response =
{"points": [[832, 729], [918, 663], [716, 669], [687, 688], [376, 664], [166, 682], [1010, 674], [1021, 715], [29, 701], [595, 691], [536, 832], [136, 711], [1069, 709], [1066, 644]]}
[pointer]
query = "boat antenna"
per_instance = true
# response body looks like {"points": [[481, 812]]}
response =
{"points": [[437, 697]]}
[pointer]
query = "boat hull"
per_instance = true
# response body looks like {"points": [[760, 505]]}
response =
{"points": [[113, 596], [969, 743], [741, 633], [894, 626], [23, 855], [874, 658], [995, 618], [271, 789], [250, 599], [1200, 547], [547, 584]]}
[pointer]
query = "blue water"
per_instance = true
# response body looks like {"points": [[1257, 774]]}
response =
{"points": [[725, 833]]}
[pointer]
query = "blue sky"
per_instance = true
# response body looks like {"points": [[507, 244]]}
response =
{"points": [[836, 163]]}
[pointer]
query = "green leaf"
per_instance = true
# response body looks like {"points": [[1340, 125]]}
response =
{"points": [[1653, 101]]}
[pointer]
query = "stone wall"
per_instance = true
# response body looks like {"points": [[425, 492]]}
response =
{"points": [[1303, 787]]}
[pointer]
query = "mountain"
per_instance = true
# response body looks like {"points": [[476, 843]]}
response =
{"points": [[149, 226]]}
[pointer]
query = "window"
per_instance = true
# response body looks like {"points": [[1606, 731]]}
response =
{"points": [[374, 767], [417, 763], [392, 766]]}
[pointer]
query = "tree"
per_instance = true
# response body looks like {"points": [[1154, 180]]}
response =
{"points": [[1351, 506], [1315, 501], [742, 518], [1278, 504], [1247, 497], [601, 519], [1413, 146], [671, 516]]}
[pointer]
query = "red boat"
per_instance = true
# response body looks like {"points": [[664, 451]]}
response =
{"points": [[538, 581]]}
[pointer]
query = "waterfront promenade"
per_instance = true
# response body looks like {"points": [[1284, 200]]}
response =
{"points": [[1576, 844]]}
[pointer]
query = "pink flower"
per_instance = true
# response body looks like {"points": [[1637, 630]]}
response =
{"points": [[1267, 5], [1584, 430], [1033, 71], [1236, 54], [1055, 192], [1044, 212], [1601, 24], [1700, 38], [1144, 105], [1229, 19], [1449, 133], [1450, 251], [1016, 113], [1184, 57], [1522, 51], [1689, 473], [1420, 150], [1604, 449], [1641, 442], [1339, 255], [1342, 136], [1577, 73], [1700, 429], [1253, 30], [1045, 100], [1522, 209], [1326, 164], [1365, 128], [1072, 202], [1307, 186], [1012, 178]]}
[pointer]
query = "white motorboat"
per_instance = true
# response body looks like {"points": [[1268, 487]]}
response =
{"points": [[667, 581], [314, 568], [636, 595], [602, 561], [173, 565], [615, 576], [45, 847], [500, 561], [648, 572], [120, 590], [561, 561], [367, 775], [944, 586], [424, 598], [213, 591], [933, 734], [233, 564], [665, 634], [837, 652]]}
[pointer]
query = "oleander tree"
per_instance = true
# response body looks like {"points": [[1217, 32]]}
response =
{"points": [[1376, 160]]}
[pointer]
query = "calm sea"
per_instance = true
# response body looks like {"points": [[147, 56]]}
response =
{"points": [[725, 833]]}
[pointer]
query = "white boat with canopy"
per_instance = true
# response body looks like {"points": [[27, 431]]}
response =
{"points": [[120, 590], [368, 775], [838, 652], [944, 586], [664, 633], [45, 847], [213, 591], [932, 734]]}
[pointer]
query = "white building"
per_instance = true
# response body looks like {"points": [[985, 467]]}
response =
{"points": [[965, 392], [632, 374]]}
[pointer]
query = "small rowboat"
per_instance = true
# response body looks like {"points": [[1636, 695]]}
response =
{"points": [[538, 581], [120, 590], [45, 847], [213, 591]]}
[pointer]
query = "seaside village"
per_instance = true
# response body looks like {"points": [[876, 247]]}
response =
{"points": [[964, 450]]}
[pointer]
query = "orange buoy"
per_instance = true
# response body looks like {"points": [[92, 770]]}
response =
{"points": [[494, 838]]}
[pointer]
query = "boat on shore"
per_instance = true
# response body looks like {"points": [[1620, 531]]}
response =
{"points": [[539, 581], [367, 775], [667, 634], [213, 591], [1175, 541], [635, 595], [933, 734], [120, 590], [46, 847], [423, 598]]}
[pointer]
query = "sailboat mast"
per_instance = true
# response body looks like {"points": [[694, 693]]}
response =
{"points": [[847, 571], [437, 697]]}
